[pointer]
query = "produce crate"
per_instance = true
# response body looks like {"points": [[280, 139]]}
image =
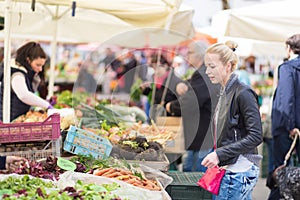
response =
{"points": [[168, 121], [31, 131], [38, 150], [184, 186], [175, 145], [79, 141]]}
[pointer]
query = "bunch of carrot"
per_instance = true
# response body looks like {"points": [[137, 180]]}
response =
{"points": [[128, 177]]}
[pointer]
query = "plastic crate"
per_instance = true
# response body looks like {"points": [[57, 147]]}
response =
{"points": [[49, 148], [184, 186], [79, 141], [31, 131], [159, 165]]}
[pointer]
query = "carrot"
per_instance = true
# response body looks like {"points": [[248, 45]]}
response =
{"points": [[130, 181], [122, 177], [137, 183], [112, 175], [125, 172], [111, 170], [100, 172]]}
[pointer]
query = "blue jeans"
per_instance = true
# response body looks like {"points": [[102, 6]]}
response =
{"points": [[237, 186], [192, 160]]}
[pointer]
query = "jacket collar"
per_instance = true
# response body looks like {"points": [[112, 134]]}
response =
{"points": [[229, 84], [18, 66]]}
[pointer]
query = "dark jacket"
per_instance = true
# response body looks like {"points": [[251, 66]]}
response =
{"points": [[171, 90], [239, 128], [196, 107], [2, 162], [17, 107], [286, 100]]}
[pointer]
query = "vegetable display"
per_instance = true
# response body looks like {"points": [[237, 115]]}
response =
{"points": [[27, 188], [138, 148], [117, 169]]}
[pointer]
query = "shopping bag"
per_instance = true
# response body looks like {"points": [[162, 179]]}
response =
{"points": [[211, 179]]}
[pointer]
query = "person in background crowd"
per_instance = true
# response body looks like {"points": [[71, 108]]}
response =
{"points": [[1, 63], [29, 62], [195, 106], [126, 71], [286, 106], [85, 80], [243, 75], [160, 76], [179, 65], [1, 55], [268, 140], [109, 57], [237, 125]]}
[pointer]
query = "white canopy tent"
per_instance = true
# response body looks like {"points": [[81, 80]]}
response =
{"points": [[93, 21], [257, 48], [179, 29], [273, 21]]}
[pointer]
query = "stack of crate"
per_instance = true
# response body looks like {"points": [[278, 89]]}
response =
{"points": [[32, 140]]}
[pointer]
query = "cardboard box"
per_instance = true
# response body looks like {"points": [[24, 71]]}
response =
{"points": [[168, 121], [177, 144]]}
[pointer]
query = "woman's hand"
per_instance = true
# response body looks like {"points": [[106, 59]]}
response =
{"points": [[210, 160]]}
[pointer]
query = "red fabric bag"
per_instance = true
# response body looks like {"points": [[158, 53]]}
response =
{"points": [[211, 179]]}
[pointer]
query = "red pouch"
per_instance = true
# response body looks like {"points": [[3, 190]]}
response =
{"points": [[211, 179]]}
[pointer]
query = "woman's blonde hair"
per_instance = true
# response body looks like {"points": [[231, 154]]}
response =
{"points": [[226, 52]]}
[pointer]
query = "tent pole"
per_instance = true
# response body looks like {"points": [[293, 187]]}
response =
{"points": [[53, 58], [7, 57]]}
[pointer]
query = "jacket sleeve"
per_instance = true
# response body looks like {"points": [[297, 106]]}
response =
{"points": [[286, 94], [175, 108], [2, 162], [196, 96], [249, 113], [19, 87]]}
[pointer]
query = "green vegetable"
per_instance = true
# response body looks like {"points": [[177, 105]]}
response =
{"points": [[136, 90], [132, 144], [25, 188]]}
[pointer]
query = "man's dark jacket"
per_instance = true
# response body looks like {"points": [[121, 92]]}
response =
{"points": [[197, 106]]}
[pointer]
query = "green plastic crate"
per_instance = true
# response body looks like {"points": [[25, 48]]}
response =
{"points": [[184, 186]]}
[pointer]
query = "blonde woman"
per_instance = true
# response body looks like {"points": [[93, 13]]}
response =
{"points": [[237, 124]]}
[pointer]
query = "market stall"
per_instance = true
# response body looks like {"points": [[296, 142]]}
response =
{"points": [[69, 19], [105, 140]]}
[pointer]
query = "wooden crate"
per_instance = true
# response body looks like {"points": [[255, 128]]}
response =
{"points": [[168, 121]]}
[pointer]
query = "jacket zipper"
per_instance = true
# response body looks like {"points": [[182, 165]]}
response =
{"points": [[235, 135]]}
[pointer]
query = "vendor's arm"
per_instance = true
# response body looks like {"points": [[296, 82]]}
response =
{"points": [[10, 162], [18, 85], [173, 107], [2, 162]]}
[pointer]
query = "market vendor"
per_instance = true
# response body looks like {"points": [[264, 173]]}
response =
{"points": [[29, 61], [165, 81], [5, 161]]}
